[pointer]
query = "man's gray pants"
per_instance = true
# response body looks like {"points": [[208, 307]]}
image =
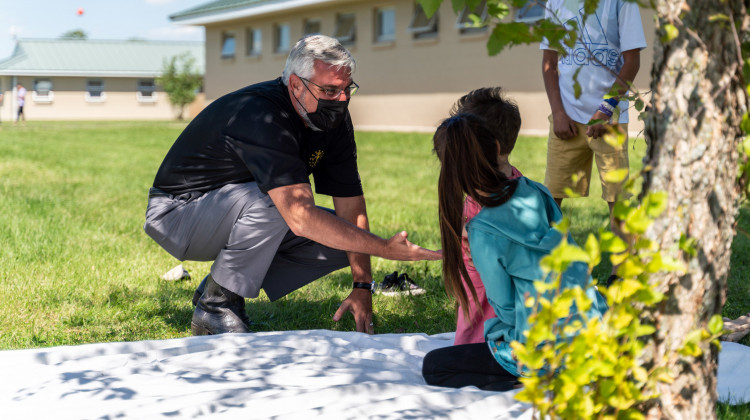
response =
{"points": [[238, 228]]}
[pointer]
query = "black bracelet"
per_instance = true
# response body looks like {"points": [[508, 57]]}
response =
{"points": [[368, 286]]}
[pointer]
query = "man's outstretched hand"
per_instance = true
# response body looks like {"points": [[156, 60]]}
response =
{"points": [[399, 248], [359, 303]]}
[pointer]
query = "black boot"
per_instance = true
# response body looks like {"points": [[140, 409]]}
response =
{"points": [[219, 311], [199, 291]]}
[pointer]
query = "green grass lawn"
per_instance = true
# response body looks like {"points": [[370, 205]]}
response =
{"points": [[76, 266]]}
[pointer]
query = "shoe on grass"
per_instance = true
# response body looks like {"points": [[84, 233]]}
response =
{"points": [[393, 285], [219, 311]]}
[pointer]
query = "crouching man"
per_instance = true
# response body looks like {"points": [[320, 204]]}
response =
{"points": [[234, 189]]}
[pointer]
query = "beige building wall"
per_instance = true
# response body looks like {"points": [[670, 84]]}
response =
{"points": [[407, 84], [69, 101]]}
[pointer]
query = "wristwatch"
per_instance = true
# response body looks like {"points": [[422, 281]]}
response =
{"points": [[361, 285]]}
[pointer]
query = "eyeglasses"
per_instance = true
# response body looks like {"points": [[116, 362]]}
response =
{"points": [[333, 92]]}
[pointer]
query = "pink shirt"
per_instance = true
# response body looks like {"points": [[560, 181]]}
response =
{"points": [[472, 330]]}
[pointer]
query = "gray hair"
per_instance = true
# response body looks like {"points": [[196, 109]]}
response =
{"points": [[301, 60]]}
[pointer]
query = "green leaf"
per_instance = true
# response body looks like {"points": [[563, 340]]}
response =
{"points": [[471, 4], [691, 346], [638, 105], [688, 245], [637, 221], [431, 6], [627, 287], [631, 415], [577, 86], [510, 34], [719, 17], [543, 286], [572, 253], [670, 33], [621, 210], [670, 264], [644, 330], [649, 296], [612, 243], [656, 203], [716, 324], [616, 176], [592, 248], [615, 138], [630, 268], [640, 374], [499, 10], [458, 5], [570, 193], [745, 124]]}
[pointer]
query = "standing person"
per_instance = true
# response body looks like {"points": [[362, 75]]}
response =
{"points": [[504, 121], [234, 189], [21, 100], [508, 239], [606, 58]]}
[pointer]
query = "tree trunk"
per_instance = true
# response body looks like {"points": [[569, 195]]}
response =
{"points": [[698, 99]]}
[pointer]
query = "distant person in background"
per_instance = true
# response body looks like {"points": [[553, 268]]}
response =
{"points": [[21, 97], [606, 59], [504, 121]]}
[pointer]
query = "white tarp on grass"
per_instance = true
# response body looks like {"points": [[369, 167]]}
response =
{"points": [[290, 374]]}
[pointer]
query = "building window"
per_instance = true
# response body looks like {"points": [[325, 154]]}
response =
{"points": [[385, 24], [228, 45], [311, 26], [95, 91], [345, 29], [532, 11], [42, 91], [146, 91], [281, 38], [253, 42], [473, 20], [421, 26]]}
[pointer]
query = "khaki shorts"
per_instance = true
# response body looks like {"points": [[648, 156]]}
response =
{"points": [[566, 158]]}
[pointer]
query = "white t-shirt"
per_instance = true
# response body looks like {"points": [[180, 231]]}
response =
{"points": [[21, 96], [615, 27]]}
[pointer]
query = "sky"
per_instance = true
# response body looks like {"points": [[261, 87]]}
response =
{"points": [[101, 19]]}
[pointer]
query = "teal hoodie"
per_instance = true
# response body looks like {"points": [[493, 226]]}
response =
{"points": [[507, 244]]}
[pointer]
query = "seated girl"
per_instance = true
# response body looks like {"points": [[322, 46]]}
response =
{"points": [[507, 239], [504, 121]]}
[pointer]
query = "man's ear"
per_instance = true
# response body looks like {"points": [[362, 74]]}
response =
{"points": [[295, 84]]}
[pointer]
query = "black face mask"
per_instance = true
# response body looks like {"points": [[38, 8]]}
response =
{"points": [[329, 115]]}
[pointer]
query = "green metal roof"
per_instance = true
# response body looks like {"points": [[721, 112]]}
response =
{"points": [[219, 6], [226, 10], [76, 57]]}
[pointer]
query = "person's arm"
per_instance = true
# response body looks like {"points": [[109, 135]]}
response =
{"points": [[297, 206], [631, 65], [359, 301], [564, 127]]}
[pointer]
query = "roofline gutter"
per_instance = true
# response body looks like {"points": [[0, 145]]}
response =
{"points": [[254, 11], [63, 73]]}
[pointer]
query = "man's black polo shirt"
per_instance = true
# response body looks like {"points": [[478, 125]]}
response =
{"points": [[254, 134]]}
